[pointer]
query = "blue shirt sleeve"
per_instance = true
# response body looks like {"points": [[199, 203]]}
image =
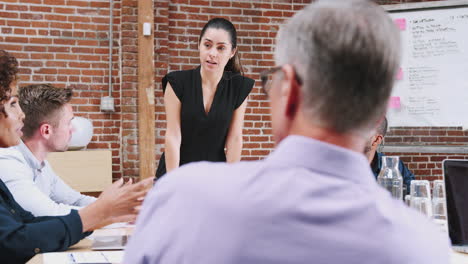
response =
{"points": [[22, 235]]}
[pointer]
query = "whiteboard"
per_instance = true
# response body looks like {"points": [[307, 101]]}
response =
{"points": [[431, 87]]}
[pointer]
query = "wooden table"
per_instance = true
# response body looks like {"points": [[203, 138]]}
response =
{"points": [[85, 244], [458, 258]]}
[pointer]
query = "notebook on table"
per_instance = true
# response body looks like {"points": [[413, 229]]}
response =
{"points": [[117, 242]]}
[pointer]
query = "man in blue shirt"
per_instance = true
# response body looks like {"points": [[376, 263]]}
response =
{"points": [[375, 157]]}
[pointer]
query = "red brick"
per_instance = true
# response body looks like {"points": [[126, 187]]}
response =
{"points": [[16, 8], [436, 159], [31, 64], [35, 48], [56, 64], [58, 49], [26, 1], [66, 56], [239, 4], [420, 159], [45, 71], [16, 39], [69, 72], [5, 15], [273, 13], [438, 133], [40, 41], [221, 3], [42, 56], [42, 9], [64, 10], [7, 31]]}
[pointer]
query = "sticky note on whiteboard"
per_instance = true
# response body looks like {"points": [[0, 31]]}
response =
{"points": [[400, 23], [399, 75], [394, 102]]}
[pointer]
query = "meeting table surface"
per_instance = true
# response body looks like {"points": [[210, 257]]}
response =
{"points": [[85, 246]]}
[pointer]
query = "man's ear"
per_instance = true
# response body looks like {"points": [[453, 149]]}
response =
{"points": [[45, 130], [377, 140], [291, 91]]}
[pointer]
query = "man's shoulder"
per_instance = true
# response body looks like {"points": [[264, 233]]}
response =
{"points": [[202, 179], [14, 165], [411, 230], [11, 153], [200, 173]]}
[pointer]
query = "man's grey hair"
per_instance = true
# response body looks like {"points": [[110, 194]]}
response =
{"points": [[382, 127], [347, 54]]}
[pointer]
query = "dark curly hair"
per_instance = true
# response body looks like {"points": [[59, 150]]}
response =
{"points": [[8, 74]]}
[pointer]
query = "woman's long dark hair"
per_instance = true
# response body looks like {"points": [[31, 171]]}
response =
{"points": [[234, 64]]}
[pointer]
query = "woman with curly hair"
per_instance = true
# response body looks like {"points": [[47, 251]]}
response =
{"points": [[11, 116], [8, 76]]}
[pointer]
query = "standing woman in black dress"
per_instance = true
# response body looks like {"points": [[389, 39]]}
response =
{"points": [[205, 106]]}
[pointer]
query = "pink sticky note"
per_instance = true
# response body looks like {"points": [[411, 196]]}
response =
{"points": [[399, 75], [394, 102], [400, 23]]}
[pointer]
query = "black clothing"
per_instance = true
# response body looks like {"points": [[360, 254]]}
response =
{"points": [[203, 135]]}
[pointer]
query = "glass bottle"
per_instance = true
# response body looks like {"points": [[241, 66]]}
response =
{"points": [[390, 177]]}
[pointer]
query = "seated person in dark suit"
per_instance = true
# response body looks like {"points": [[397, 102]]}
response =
{"points": [[375, 157], [21, 234]]}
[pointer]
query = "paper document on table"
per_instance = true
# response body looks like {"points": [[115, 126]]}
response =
{"points": [[84, 257]]}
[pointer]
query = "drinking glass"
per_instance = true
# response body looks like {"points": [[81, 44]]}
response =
{"points": [[407, 199], [421, 197], [439, 205]]}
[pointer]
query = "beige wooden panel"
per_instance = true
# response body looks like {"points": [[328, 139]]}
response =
{"points": [[83, 170], [146, 109]]}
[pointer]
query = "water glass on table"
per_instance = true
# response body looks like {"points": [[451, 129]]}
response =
{"points": [[421, 197], [439, 205]]}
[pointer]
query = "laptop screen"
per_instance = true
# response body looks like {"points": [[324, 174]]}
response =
{"points": [[456, 185]]}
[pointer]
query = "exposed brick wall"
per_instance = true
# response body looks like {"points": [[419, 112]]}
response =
{"points": [[434, 136], [66, 43], [129, 58], [427, 166]]}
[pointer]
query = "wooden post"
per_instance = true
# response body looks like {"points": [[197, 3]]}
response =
{"points": [[146, 109]]}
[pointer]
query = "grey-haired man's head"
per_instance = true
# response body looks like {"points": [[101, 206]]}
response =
{"points": [[346, 54]]}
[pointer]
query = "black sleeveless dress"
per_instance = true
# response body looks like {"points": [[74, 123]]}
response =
{"points": [[204, 134]]}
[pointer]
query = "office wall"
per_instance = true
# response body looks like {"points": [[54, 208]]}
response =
{"points": [[66, 43]]}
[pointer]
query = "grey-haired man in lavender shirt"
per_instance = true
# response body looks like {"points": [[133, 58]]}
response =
{"points": [[314, 199]]}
